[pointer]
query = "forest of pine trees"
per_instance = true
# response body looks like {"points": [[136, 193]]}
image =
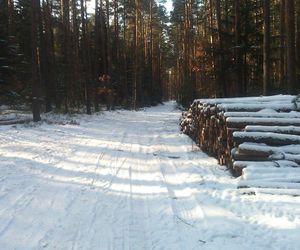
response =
{"points": [[226, 48], [72, 54]]}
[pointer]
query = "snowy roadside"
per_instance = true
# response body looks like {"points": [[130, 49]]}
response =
{"points": [[129, 180]]}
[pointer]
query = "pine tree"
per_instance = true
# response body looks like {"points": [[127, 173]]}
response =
{"points": [[35, 6], [290, 44], [267, 47]]}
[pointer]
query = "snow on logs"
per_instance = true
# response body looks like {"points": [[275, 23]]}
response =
{"points": [[10, 117], [251, 135]]}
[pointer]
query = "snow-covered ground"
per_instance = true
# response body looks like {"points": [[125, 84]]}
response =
{"points": [[129, 180]]}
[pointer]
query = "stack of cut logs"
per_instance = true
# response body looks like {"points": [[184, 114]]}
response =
{"points": [[251, 136], [9, 117]]}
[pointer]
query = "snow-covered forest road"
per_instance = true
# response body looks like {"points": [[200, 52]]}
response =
{"points": [[130, 180]]}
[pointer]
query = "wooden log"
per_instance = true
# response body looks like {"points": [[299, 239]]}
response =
{"points": [[268, 184], [17, 121], [253, 152], [267, 138], [247, 157], [293, 130], [289, 115], [252, 107], [230, 131], [242, 167], [217, 131], [274, 177], [266, 164], [255, 172], [291, 157], [269, 171], [255, 148], [242, 122], [256, 99]]}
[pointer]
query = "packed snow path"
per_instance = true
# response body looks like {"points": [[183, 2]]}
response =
{"points": [[129, 180]]}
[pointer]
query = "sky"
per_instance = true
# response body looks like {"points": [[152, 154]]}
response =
{"points": [[168, 5]]}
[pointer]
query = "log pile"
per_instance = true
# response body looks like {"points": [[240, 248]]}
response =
{"points": [[10, 117], [252, 136]]}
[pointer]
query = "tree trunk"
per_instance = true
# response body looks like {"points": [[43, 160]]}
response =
{"points": [[291, 49], [238, 51], [76, 75], [11, 20], [282, 45], [97, 56], [116, 38], [267, 49], [298, 42], [151, 62], [35, 5], [48, 54], [125, 78], [108, 47], [85, 59], [221, 74], [136, 88]]}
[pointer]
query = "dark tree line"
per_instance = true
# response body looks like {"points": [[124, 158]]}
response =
{"points": [[229, 48], [66, 55]]}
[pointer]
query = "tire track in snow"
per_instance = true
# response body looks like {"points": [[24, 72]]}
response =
{"points": [[113, 167], [100, 207], [210, 238], [21, 204], [183, 204], [90, 214], [72, 201], [139, 210], [76, 198], [162, 204], [108, 213], [177, 219], [68, 194], [181, 185], [26, 196]]}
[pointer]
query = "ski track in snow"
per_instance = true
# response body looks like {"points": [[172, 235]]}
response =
{"points": [[128, 180]]}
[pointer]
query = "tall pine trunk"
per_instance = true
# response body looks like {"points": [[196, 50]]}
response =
{"points": [[238, 51], [35, 5], [136, 87], [85, 59], [290, 45], [221, 74], [298, 41], [267, 49], [282, 45]]}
